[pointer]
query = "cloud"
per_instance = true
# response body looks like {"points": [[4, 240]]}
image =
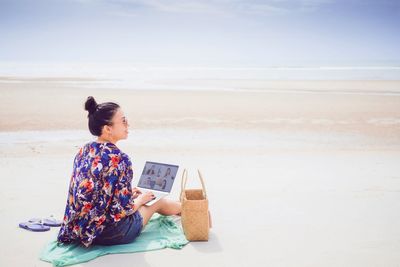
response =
{"points": [[213, 7], [279, 7], [179, 6]]}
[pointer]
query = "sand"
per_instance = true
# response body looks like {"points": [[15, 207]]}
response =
{"points": [[294, 178]]}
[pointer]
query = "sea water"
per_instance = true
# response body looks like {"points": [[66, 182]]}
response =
{"points": [[141, 76]]}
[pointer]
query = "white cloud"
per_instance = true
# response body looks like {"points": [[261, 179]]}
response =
{"points": [[178, 6], [217, 7]]}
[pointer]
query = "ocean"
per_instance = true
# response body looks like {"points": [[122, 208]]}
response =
{"points": [[189, 77]]}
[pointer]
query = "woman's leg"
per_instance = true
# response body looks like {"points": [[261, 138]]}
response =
{"points": [[163, 206]]}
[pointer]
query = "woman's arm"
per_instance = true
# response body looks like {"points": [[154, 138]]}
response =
{"points": [[126, 201]]}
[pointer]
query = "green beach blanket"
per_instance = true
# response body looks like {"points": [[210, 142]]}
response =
{"points": [[160, 232]]}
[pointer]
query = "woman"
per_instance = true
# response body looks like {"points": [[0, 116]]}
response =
{"points": [[167, 173], [102, 208], [164, 184], [151, 171]]}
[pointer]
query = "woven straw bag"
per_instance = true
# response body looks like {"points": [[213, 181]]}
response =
{"points": [[195, 215]]}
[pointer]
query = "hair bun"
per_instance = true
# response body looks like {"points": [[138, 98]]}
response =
{"points": [[90, 105]]}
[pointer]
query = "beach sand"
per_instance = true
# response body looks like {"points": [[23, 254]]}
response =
{"points": [[294, 178]]}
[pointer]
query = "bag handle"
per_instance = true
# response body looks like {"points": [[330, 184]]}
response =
{"points": [[202, 183], [184, 181]]}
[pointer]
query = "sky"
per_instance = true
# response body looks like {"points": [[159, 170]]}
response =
{"points": [[214, 32]]}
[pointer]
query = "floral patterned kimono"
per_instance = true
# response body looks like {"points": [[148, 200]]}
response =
{"points": [[99, 194]]}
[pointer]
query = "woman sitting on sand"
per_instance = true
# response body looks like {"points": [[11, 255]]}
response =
{"points": [[102, 208]]}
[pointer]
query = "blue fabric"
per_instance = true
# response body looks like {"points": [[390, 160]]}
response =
{"points": [[160, 232], [100, 192], [123, 232]]}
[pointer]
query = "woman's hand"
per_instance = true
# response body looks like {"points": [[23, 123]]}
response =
{"points": [[144, 198], [136, 192]]}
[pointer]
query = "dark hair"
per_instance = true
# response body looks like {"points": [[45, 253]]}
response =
{"points": [[99, 114]]}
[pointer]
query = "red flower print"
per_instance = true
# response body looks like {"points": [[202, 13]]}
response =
{"points": [[87, 184], [125, 191], [117, 217], [101, 220], [87, 207], [96, 161], [115, 161]]}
